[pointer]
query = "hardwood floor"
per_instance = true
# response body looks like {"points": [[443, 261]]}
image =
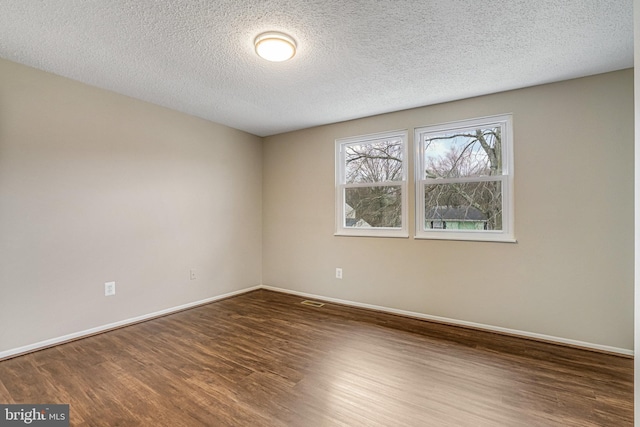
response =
{"points": [[264, 359]]}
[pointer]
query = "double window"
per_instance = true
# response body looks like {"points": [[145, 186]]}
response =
{"points": [[371, 185], [463, 182]]}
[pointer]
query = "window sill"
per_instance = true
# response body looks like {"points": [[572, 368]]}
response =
{"points": [[369, 233], [467, 238]]}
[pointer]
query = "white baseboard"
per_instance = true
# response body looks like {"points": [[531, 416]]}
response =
{"points": [[490, 328], [88, 332]]}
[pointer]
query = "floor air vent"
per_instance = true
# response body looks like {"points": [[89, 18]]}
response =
{"points": [[312, 303]]}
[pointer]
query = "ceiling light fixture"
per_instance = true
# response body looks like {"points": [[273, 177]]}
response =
{"points": [[275, 47]]}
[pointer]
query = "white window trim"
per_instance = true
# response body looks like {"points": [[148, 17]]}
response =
{"points": [[504, 235], [341, 229]]}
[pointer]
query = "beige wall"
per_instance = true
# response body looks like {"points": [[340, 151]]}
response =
{"points": [[98, 187], [636, 39], [569, 276]]}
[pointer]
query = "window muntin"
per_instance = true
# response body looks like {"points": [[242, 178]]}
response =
{"points": [[371, 185], [464, 180]]}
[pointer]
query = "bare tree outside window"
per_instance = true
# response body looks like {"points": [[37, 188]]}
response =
{"points": [[465, 154], [378, 162], [371, 173], [464, 180]]}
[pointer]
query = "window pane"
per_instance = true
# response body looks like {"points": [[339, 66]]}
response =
{"points": [[367, 207], [463, 153], [377, 161], [463, 206]]}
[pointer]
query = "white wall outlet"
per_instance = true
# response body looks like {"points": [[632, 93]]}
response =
{"points": [[338, 273], [192, 274], [109, 289]]}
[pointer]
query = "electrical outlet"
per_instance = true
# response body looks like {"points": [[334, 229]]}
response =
{"points": [[338, 273], [192, 274], [109, 289]]}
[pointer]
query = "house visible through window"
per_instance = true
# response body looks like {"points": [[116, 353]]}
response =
{"points": [[371, 185], [452, 218], [464, 180]]}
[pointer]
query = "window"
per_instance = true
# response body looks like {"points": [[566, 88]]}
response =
{"points": [[464, 180], [371, 185]]}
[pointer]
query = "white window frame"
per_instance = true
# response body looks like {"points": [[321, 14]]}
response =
{"points": [[507, 233], [341, 186]]}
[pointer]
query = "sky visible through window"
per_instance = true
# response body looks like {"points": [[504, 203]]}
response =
{"points": [[463, 153]]}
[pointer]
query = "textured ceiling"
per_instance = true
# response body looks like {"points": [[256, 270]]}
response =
{"points": [[355, 58]]}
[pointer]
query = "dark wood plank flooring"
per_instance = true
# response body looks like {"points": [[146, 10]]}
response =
{"points": [[263, 359]]}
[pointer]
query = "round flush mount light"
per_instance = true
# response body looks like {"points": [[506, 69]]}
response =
{"points": [[275, 47]]}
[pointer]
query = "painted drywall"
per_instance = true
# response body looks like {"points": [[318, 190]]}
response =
{"points": [[98, 187], [636, 47], [570, 275]]}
